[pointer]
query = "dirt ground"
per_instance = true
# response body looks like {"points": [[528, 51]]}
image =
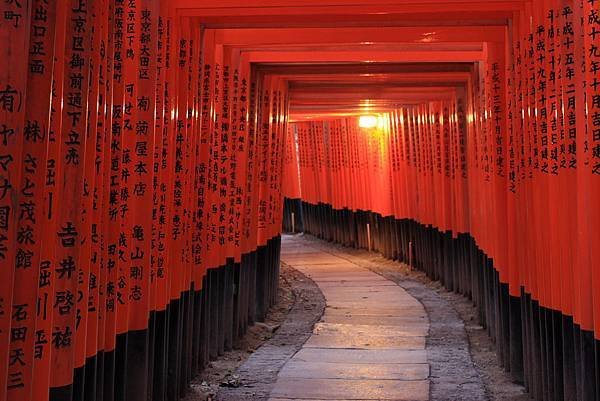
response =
{"points": [[499, 384], [221, 373], [249, 372]]}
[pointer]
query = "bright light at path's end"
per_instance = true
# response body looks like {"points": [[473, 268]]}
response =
{"points": [[368, 121]]}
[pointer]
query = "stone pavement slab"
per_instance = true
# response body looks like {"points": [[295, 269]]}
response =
{"points": [[379, 320], [365, 342], [336, 389], [362, 330], [334, 355], [325, 370]]}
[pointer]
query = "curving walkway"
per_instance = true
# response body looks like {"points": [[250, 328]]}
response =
{"points": [[370, 342]]}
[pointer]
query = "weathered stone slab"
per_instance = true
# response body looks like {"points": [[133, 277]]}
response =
{"points": [[367, 341], [361, 356], [340, 389], [323, 370]]}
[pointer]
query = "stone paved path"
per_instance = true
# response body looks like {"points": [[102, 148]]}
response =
{"points": [[370, 343]]}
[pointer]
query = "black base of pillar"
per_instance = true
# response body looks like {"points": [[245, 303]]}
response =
{"points": [[540, 347]]}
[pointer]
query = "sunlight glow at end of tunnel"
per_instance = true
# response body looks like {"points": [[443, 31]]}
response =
{"points": [[368, 121]]}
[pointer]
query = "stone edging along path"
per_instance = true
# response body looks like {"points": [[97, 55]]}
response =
{"points": [[259, 373]]}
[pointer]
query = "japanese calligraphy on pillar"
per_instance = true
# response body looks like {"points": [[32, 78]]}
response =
{"points": [[69, 235]]}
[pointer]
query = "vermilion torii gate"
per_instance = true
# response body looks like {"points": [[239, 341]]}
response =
{"points": [[142, 173]]}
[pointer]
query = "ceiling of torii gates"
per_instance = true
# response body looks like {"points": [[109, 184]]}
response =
{"points": [[343, 57]]}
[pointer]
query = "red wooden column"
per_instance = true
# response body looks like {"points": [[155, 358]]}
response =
{"points": [[254, 166], [88, 227], [14, 33], [246, 127], [212, 203], [264, 144], [112, 253], [29, 203], [97, 204], [162, 189], [591, 155], [277, 168], [283, 132], [142, 32], [71, 232], [291, 183], [204, 167], [42, 365]]}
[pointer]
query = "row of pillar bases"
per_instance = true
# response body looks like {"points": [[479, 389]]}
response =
{"points": [[159, 363], [541, 348]]}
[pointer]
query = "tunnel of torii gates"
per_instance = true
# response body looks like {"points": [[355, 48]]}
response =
{"points": [[147, 149]]}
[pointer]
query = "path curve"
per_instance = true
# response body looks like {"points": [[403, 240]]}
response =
{"points": [[259, 373], [453, 373], [370, 342]]}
